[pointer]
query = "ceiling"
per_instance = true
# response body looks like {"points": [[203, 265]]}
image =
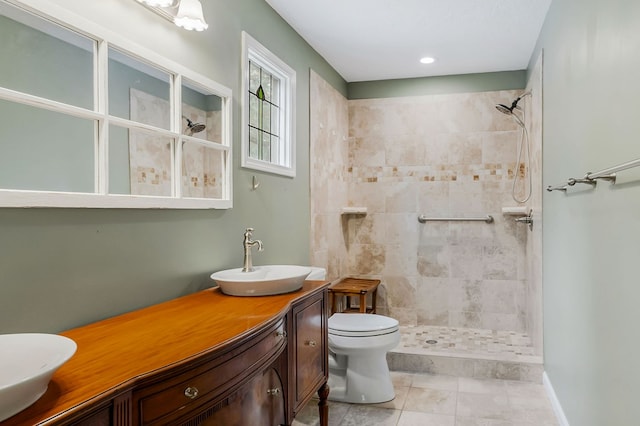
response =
{"points": [[384, 39]]}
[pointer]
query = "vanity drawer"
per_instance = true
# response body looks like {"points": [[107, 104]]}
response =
{"points": [[179, 395]]}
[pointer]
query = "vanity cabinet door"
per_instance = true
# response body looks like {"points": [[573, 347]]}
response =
{"points": [[310, 348], [259, 402]]}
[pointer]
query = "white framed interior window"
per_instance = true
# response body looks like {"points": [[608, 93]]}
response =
{"points": [[90, 119], [268, 110]]}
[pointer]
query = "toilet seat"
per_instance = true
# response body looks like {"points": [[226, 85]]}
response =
{"points": [[361, 325]]}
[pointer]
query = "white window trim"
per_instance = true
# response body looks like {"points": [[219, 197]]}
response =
{"points": [[254, 51], [101, 198]]}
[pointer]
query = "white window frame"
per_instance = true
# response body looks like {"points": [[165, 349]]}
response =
{"points": [[255, 52], [104, 39]]}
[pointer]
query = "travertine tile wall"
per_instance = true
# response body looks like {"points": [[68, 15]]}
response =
{"points": [[329, 162], [533, 249], [438, 155]]}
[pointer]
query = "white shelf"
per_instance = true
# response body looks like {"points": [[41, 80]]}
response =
{"points": [[515, 211], [354, 211]]}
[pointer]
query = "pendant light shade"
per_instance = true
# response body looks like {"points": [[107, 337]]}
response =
{"points": [[158, 3], [190, 16]]}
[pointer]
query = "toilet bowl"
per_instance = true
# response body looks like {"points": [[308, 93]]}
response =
{"points": [[358, 345]]}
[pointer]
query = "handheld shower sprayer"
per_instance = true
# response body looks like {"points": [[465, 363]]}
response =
{"points": [[523, 146]]}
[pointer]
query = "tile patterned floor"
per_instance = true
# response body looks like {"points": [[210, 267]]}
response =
{"points": [[470, 342], [437, 400]]}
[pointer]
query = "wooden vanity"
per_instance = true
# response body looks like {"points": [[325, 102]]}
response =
{"points": [[202, 359]]}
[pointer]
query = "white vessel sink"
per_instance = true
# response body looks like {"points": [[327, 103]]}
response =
{"points": [[263, 281], [27, 362]]}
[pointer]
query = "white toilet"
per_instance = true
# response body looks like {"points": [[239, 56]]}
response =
{"points": [[317, 273], [358, 346]]}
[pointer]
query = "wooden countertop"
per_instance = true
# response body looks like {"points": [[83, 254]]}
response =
{"points": [[115, 353]]}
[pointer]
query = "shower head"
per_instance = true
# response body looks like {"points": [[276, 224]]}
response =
{"points": [[508, 110], [504, 109], [194, 127], [514, 105]]}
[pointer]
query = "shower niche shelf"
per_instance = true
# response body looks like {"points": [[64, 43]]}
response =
{"points": [[355, 211], [515, 211]]}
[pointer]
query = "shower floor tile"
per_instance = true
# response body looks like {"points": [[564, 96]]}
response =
{"points": [[466, 343]]}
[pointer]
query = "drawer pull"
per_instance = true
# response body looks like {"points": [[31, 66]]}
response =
{"points": [[281, 334], [311, 343], [191, 392], [274, 392]]}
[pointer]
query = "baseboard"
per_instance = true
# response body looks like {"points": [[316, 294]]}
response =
{"points": [[557, 408]]}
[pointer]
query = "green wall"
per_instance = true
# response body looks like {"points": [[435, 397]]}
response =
{"points": [[62, 268], [591, 237], [464, 83]]}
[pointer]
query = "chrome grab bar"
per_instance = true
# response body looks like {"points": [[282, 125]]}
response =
{"points": [[487, 219]]}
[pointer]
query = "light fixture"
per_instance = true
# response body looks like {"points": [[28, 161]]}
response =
{"points": [[190, 16], [184, 13], [427, 60], [159, 3]]}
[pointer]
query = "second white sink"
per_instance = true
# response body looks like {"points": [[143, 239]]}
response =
{"points": [[27, 362], [263, 281]]}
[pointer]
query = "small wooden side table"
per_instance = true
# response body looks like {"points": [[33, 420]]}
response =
{"points": [[354, 287]]}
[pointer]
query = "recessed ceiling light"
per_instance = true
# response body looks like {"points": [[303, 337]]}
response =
{"points": [[427, 60]]}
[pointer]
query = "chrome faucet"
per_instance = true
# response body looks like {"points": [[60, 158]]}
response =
{"points": [[247, 244]]}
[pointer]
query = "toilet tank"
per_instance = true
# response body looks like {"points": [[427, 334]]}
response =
{"points": [[317, 273]]}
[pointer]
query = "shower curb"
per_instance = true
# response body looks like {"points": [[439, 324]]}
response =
{"points": [[466, 366]]}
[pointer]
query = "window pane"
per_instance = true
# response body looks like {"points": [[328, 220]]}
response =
{"points": [[119, 167], [45, 150], [265, 147], [202, 171], [266, 85], [254, 77], [275, 90], [201, 113], [264, 120], [51, 61], [138, 91], [275, 150], [149, 170], [254, 110], [275, 121], [254, 142], [265, 123]]}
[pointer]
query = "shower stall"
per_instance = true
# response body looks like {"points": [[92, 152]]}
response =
{"points": [[466, 293]]}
